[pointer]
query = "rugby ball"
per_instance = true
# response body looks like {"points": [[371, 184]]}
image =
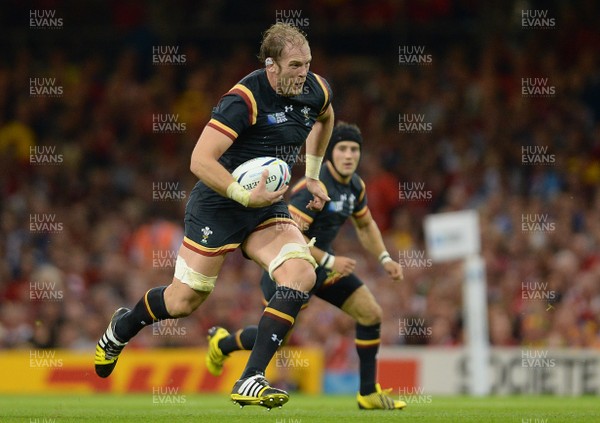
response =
{"points": [[248, 173]]}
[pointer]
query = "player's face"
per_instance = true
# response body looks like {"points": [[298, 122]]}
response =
{"points": [[291, 69], [345, 156]]}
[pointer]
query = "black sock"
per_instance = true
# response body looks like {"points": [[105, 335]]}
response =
{"points": [[150, 309], [367, 345], [276, 321], [243, 339]]}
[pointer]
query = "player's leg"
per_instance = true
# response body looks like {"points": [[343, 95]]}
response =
{"points": [[221, 343], [210, 233], [194, 279], [355, 298], [287, 257], [363, 307]]}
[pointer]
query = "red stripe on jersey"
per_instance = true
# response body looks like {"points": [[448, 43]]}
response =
{"points": [[221, 130], [361, 212], [247, 101]]}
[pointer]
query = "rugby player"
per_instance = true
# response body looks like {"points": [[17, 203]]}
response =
{"points": [[336, 283], [273, 109]]}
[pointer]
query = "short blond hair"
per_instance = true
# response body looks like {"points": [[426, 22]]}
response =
{"points": [[277, 37]]}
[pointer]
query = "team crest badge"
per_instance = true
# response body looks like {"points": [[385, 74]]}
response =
{"points": [[206, 232]]}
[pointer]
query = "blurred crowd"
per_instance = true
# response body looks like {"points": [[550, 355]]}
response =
{"points": [[93, 190]]}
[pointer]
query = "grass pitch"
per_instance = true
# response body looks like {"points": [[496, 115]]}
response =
{"points": [[301, 409]]}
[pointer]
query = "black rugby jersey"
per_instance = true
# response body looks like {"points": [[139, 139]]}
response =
{"points": [[346, 200], [262, 123]]}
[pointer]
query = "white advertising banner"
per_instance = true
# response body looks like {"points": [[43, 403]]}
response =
{"points": [[452, 236], [511, 371]]}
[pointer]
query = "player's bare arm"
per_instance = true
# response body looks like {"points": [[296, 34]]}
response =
{"points": [[370, 238], [318, 138], [316, 145], [205, 165]]}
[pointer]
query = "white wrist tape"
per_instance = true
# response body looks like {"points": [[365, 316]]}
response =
{"points": [[327, 261], [237, 193], [384, 257], [313, 166]]}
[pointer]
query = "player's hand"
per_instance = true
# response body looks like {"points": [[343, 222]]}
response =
{"points": [[394, 270], [320, 197], [260, 197], [344, 265]]}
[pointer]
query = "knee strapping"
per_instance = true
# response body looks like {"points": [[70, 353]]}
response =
{"points": [[290, 251], [195, 280]]}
